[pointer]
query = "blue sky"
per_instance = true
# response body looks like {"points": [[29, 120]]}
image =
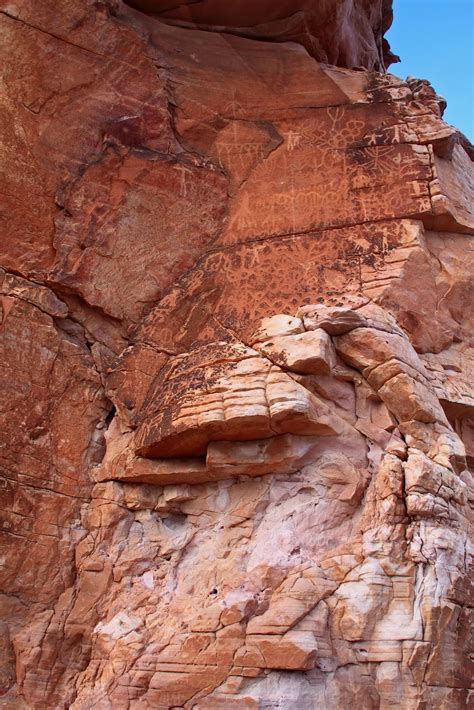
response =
{"points": [[435, 41]]}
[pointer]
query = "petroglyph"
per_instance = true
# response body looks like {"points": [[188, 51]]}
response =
{"points": [[183, 170], [293, 139]]}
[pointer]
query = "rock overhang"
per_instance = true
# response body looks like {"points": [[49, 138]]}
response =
{"points": [[347, 34]]}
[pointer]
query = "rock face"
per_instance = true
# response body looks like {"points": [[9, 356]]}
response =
{"points": [[236, 338], [348, 33]]}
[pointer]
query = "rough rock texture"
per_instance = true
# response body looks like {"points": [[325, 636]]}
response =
{"points": [[237, 355], [348, 33]]}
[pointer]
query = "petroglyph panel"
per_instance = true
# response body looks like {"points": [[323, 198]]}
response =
{"points": [[118, 221], [235, 146], [329, 188], [232, 289]]}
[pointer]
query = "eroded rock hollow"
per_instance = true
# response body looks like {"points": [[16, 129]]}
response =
{"points": [[237, 358]]}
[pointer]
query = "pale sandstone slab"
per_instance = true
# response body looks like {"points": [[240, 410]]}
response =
{"points": [[277, 326], [310, 353], [160, 472], [366, 348]]}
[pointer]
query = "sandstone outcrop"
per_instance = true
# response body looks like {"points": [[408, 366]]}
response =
{"points": [[348, 33], [236, 339]]}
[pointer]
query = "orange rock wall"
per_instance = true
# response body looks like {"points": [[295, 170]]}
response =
{"points": [[236, 343]]}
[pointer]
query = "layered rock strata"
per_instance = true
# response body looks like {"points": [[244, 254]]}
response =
{"points": [[236, 338]]}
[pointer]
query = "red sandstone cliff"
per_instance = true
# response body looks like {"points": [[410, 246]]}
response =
{"points": [[236, 347]]}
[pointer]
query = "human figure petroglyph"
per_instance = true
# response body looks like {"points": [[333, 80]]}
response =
{"points": [[183, 170], [293, 139], [391, 135]]}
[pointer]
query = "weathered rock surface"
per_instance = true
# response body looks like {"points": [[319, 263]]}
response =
{"points": [[348, 33], [236, 339]]}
